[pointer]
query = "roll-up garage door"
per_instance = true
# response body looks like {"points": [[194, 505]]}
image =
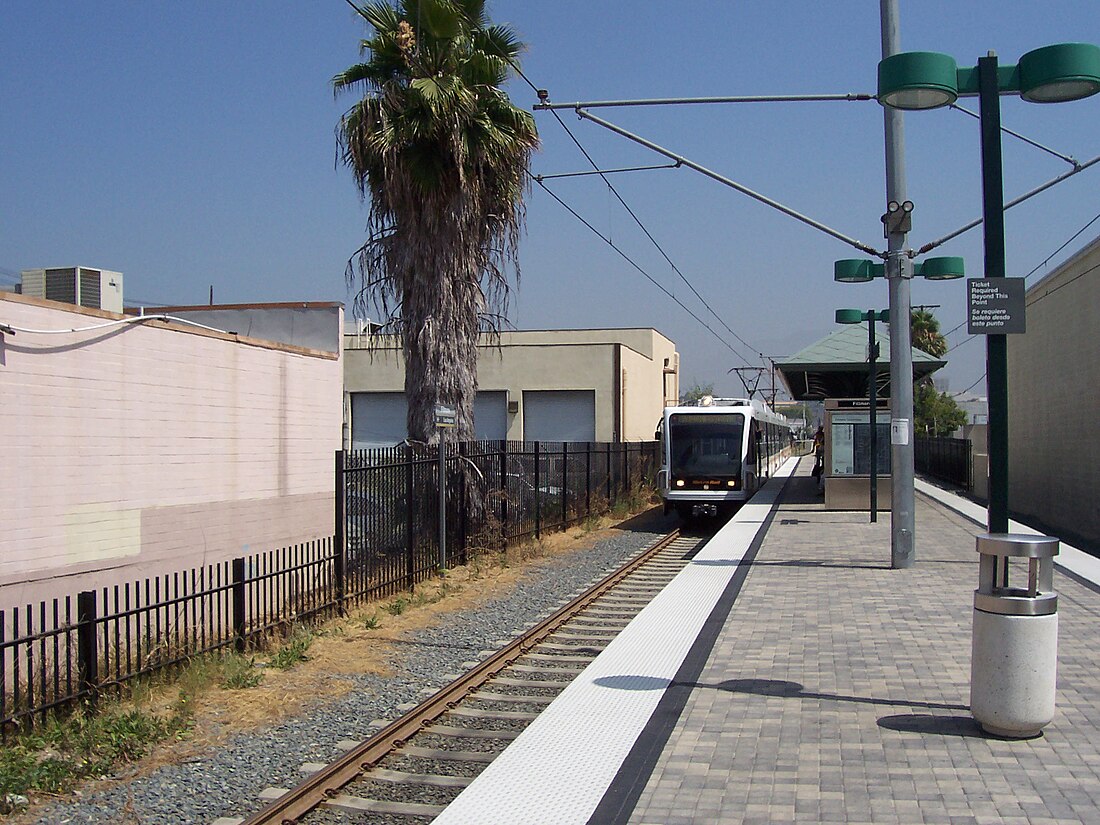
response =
{"points": [[378, 418], [559, 415], [491, 415]]}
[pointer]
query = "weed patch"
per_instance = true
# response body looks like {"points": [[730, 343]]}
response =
{"points": [[293, 650]]}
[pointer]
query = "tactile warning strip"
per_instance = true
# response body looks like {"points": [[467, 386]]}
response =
{"points": [[558, 769]]}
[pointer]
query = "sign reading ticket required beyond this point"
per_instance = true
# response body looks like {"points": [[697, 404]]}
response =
{"points": [[995, 306]]}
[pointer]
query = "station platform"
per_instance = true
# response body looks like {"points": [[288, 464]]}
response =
{"points": [[788, 674]]}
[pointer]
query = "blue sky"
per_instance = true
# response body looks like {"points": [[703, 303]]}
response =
{"points": [[192, 145]]}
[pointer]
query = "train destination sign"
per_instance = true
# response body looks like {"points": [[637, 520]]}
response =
{"points": [[995, 306]]}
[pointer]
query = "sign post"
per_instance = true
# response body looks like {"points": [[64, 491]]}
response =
{"points": [[445, 418]]}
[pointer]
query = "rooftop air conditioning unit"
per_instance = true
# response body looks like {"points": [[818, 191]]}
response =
{"points": [[80, 285]]}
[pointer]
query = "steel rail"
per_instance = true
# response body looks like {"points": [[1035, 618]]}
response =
{"points": [[326, 783]]}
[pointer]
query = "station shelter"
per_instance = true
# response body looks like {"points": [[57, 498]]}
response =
{"points": [[835, 371]]}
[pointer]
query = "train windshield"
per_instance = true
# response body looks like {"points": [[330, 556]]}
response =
{"points": [[706, 445]]}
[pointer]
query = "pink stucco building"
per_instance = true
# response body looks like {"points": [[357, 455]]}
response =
{"points": [[138, 448]]}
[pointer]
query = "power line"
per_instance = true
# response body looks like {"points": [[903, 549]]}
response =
{"points": [[1039, 266], [1045, 261], [649, 235], [542, 95], [645, 274]]}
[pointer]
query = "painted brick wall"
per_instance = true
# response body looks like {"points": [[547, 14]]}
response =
{"points": [[152, 447]]}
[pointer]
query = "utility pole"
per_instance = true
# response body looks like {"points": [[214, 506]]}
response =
{"points": [[899, 272]]}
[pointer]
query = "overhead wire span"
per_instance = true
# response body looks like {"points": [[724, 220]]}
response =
{"points": [[1045, 261], [645, 274], [542, 95], [1072, 161], [652, 239], [606, 171], [1077, 169]]}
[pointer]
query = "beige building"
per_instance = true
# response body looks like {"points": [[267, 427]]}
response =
{"points": [[1053, 372], [539, 385]]}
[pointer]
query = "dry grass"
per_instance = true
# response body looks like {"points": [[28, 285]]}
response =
{"points": [[364, 641]]}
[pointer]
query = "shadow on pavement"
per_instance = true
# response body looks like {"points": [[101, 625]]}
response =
{"points": [[928, 723]]}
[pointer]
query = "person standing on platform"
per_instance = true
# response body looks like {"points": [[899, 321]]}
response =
{"points": [[819, 457]]}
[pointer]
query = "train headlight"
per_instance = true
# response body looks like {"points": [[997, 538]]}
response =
{"points": [[679, 482], [731, 483]]}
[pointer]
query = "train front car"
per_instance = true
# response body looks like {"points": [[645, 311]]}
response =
{"points": [[705, 472]]}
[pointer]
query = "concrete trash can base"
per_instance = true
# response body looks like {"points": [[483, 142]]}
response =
{"points": [[1013, 673], [1014, 652]]}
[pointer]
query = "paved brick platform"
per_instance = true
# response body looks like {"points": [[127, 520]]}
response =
{"points": [[838, 690]]}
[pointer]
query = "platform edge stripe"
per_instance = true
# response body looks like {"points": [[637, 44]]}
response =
{"points": [[525, 783], [621, 797]]}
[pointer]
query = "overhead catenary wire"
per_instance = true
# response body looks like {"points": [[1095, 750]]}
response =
{"points": [[645, 274], [602, 173], [652, 239], [1037, 267]]}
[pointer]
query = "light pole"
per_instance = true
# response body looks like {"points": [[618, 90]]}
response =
{"points": [[928, 80], [855, 316]]}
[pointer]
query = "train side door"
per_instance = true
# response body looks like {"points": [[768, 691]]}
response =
{"points": [[752, 459]]}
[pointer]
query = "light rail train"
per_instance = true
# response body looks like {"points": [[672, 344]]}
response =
{"points": [[716, 455]]}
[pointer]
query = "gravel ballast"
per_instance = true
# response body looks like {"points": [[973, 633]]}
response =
{"points": [[227, 782]]}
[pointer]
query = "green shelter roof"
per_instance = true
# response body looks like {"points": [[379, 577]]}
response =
{"points": [[836, 366]]}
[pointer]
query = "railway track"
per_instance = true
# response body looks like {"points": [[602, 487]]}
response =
{"points": [[413, 767]]}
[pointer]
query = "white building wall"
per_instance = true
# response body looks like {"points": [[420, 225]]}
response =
{"points": [[153, 447]]}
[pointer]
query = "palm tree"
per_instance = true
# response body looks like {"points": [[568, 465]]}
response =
{"points": [[925, 332], [441, 153]]}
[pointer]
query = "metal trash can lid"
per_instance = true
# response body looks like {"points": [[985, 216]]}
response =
{"points": [[1017, 544]]}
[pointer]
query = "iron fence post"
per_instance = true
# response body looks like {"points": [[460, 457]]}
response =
{"points": [[239, 619], [410, 524], [564, 484], [609, 499], [588, 478], [339, 541], [463, 521], [538, 495], [504, 494], [87, 648]]}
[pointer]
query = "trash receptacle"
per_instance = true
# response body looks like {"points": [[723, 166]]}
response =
{"points": [[1014, 656]]}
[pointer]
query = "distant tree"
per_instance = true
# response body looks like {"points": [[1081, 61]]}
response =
{"points": [[695, 392], [936, 413], [441, 153]]}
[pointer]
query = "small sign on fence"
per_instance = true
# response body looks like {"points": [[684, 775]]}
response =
{"points": [[445, 416]]}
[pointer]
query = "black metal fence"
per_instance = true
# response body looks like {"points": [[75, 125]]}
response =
{"points": [[948, 459], [72, 649], [497, 492]]}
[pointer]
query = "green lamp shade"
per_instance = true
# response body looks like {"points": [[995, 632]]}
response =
{"points": [[941, 269], [853, 271], [1055, 74], [849, 316], [917, 80]]}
